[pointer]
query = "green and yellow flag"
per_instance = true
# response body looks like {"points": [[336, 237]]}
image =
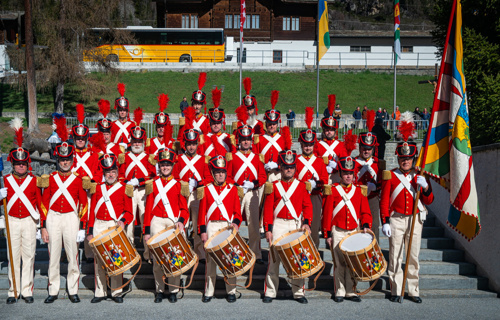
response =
{"points": [[323, 35]]}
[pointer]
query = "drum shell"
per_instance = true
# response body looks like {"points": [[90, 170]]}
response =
{"points": [[162, 250], [222, 254], [289, 255], [104, 247], [361, 263]]}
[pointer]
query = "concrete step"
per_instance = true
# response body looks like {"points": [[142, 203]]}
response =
{"points": [[426, 243]]}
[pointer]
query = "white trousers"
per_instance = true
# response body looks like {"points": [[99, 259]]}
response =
{"points": [[250, 205], [88, 251], [138, 203], [194, 207], [280, 227], [342, 279], [63, 229], [23, 243], [374, 204], [159, 224]]}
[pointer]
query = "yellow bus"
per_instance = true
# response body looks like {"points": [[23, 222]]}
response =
{"points": [[162, 45]]}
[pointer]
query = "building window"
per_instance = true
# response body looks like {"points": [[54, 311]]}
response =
{"points": [[407, 49], [361, 49], [291, 23], [255, 21], [252, 21], [236, 21], [189, 21], [277, 56], [229, 21]]}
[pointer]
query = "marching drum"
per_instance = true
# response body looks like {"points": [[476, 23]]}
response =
{"points": [[363, 256], [298, 253], [230, 252], [172, 252], [114, 250]]}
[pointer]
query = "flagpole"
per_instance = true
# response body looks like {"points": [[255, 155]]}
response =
{"points": [[394, 106], [317, 72], [241, 60]]}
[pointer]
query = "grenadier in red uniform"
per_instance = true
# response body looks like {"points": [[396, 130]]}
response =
{"points": [[345, 211], [198, 101], [192, 169], [111, 206], [288, 207], [135, 170], [247, 171], [218, 143], [312, 171], [329, 148], [165, 207], [368, 172], [396, 208], [249, 103], [104, 126], [23, 208], [163, 129], [219, 208], [120, 128], [64, 213]]}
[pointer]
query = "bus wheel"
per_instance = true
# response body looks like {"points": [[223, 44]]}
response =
{"points": [[112, 58], [185, 58]]}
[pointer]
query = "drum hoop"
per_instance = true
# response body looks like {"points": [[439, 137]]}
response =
{"points": [[170, 237], [291, 243], [222, 244], [361, 251]]}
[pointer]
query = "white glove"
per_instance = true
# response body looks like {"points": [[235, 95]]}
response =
{"points": [[54, 127], [38, 234], [332, 164], [386, 229], [3, 193], [124, 145], [313, 184], [422, 182], [329, 169], [80, 236], [371, 187], [2, 223], [133, 182], [192, 184], [248, 185], [270, 166]]}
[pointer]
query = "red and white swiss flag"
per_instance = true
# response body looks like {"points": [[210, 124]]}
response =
{"points": [[243, 14]]}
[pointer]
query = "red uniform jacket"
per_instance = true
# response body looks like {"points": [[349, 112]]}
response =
{"points": [[218, 144], [201, 123], [300, 200], [344, 218], [182, 172], [119, 134], [61, 203], [324, 149], [231, 203], [129, 169], [111, 147], [85, 163], [269, 150], [404, 201], [122, 204], [363, 176], [16, 205], [177, 202], [239, 172], [320, 175], [156, 144]]}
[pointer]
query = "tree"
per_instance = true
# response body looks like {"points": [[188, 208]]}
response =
{"points": [[481, 38]]}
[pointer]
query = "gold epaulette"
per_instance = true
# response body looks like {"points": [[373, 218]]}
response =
{"points": [[122, 149], [182, 121], [262, 158], [308, 186], [241, 194], [229, 156], [200, 193], [326, 160], [233, 139], [256, 139], [86, 183], [185, 189], [148, 142], [93, 187], [364, 190], [99, 155], [121, 158], [207, 159], [382, 164], [386, 175], [268, 188], [152, 159], [202, 138], [43, 181], [148, 186], [235, 125], [327, 189], [176, 146], [129, 190]]}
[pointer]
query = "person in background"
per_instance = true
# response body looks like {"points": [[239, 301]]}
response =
{"points": [[382, 137], [378, 114], [385, 117], [357, 116], [364, 114], [183, 106], [426, 116], [291, 118], [338, 112], [417, 116], [396, 116]]}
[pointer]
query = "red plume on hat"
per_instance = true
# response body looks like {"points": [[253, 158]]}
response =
{"points": [[104, 107], [331, 104], [98, 143], [287, 136], [190, 116], [406, 126], [17, 125], [370, 119], [138, 115], [62, 129], [350, 141], [121, 89], [247, 84], [80, 113], [168, 133], [216, 95], [242, 114], [275, 94], [163, 101], [202, 78], [309, 116]]}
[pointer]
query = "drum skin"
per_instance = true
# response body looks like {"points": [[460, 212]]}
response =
{"points": [[366, 264], [114, 250], [232, 256], [173, 253], [300, 257]]}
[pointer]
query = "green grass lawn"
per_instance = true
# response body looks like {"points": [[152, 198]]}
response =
{"points": [[297, 90]]}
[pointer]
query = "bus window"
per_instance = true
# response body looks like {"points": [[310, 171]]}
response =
{"points": [[163, 38], [146, 37]]}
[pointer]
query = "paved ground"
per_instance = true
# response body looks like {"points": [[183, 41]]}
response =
{"points": [[140, 308]]}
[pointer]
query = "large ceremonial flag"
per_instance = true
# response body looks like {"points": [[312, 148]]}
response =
{"points": [[243, 16], [397, 40], [323, 34], [446, 154]]}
